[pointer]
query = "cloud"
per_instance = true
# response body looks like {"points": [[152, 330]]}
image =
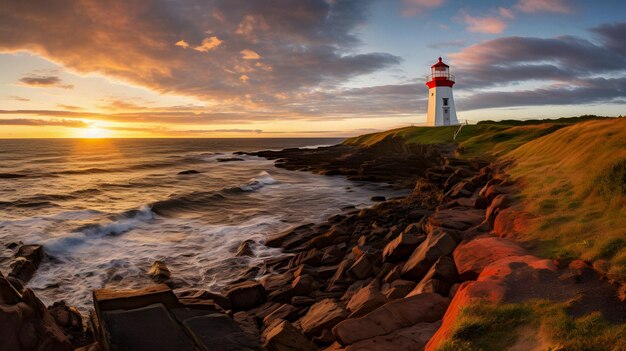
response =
{"points": [[533, 6], [490, 24], [69, 107], [208, 44], [43, 122], [414, 7], [565, 69], [312, 45], [18, 98], [249, 55], [44, 81], [183, 44]]}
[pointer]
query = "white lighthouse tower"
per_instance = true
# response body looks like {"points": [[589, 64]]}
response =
{"points": [[441, 110]]}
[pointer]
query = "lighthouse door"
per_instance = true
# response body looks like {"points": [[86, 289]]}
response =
{"points": [[446, 116]]}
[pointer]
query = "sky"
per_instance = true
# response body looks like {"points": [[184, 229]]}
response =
{"points": [[298, 68]]}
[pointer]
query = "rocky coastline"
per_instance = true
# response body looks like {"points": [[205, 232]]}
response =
{"points": [[391, 277]]}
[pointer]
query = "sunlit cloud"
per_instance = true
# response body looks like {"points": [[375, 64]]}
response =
{"points": [[183, 44], [249, 55], [19, 98], [208, 44], [43, 122]]}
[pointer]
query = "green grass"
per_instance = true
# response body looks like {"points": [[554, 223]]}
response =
{"points": [[487, 138], [539, 324]]}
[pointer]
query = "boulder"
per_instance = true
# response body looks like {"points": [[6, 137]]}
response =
{"points": [[246, 295], [361, 269], [437, 244], [26, 324], [70, 320], [473, 256], [26, 261], [394, 315], [402, 246], [245, 248], [510, 222], [459, 218], [340, 278], [322, 315], [399, 289], [365, 300], [303, 284], [229, 159], [407, 339], [441, 276], [283, 312], [499, 202], [159, 272], [461, 189], [283, 336]]}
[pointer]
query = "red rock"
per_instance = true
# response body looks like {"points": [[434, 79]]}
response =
{"points": [[435, 246], [406, 339], [473, 256], [459, 218], [401, 247], [322, 315], [510, 223], [365, 300], [284, 312], [394, 315], [441, 276], [494, 284], [499, 203]]}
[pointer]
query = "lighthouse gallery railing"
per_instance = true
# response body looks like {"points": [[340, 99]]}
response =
{"points": [[440, 75]]}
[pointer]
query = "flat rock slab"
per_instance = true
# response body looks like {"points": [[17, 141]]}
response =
{"points": [[153, 319], [459, 218], [218, 332], [147, 328]]}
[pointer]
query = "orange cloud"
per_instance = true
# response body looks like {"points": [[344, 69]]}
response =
{"points": [[249, 55], [183, 44], [208, 44]]}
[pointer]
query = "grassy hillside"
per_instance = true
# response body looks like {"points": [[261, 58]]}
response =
{"points": [[574, 182], [487, 138], [572, 172]]}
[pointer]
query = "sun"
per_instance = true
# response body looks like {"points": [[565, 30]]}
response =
{"points": [[93, 132]]}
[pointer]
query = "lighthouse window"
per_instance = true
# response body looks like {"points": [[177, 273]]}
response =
{"points": [[445, 101]]}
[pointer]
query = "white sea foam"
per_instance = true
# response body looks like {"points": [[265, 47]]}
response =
{"points": [[263, 179]]}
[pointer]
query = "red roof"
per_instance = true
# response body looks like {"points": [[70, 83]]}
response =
{"points": [[439, 64]]}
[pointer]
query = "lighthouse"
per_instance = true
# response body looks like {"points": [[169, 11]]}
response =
{"points": [[441, 110]]}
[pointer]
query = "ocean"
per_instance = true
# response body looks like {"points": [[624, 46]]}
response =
{"points": [[106, 209]]}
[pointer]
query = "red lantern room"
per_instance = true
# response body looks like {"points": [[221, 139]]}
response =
{"points": [[440, 76]]}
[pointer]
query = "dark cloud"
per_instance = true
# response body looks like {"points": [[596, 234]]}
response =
{"points": [[43, 122], [44, 81]]}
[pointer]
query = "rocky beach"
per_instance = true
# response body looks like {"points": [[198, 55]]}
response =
{"points": [[396, 276]]}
